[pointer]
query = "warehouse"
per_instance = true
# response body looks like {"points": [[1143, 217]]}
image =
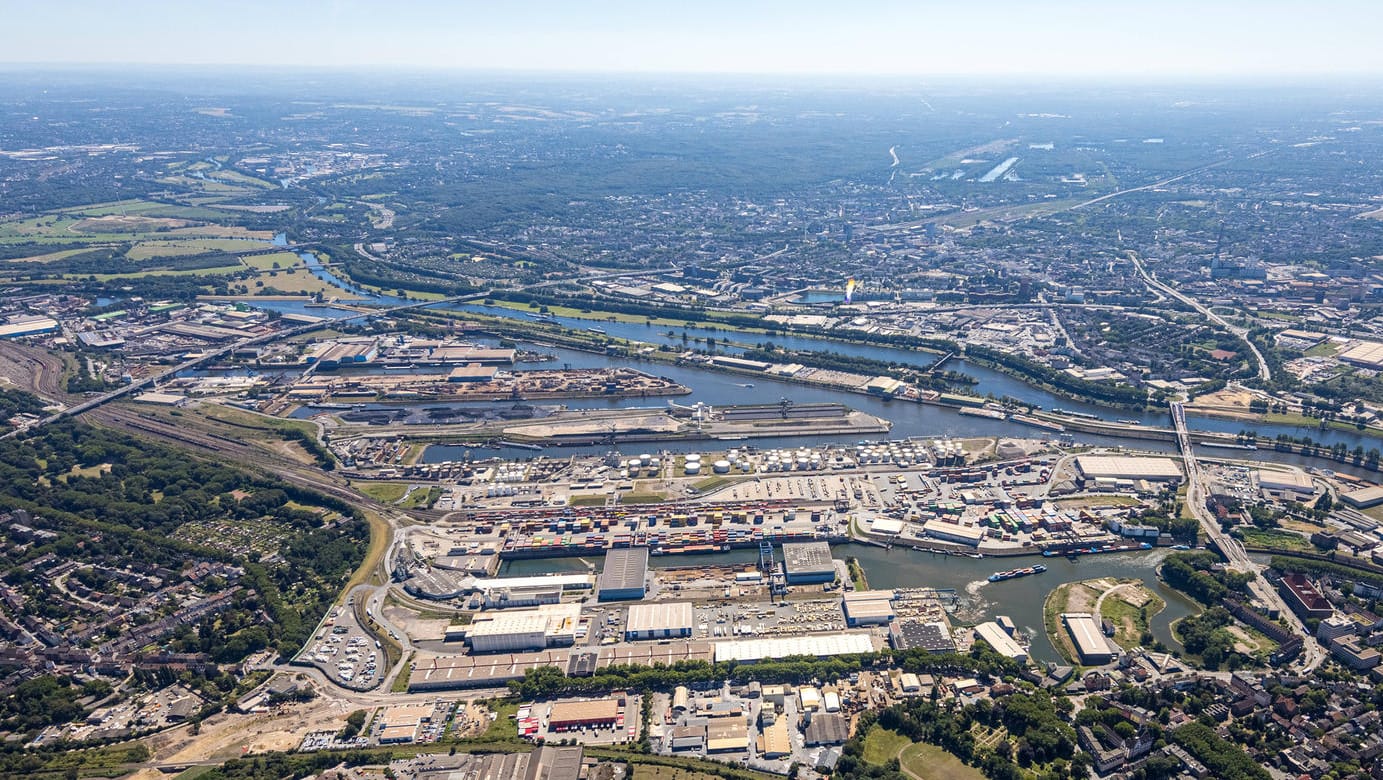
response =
{"points": [[472, 372], [775, 741], [533, 629], [1368, 354], [816, 646], [868, 608], [569, 715], [1125, 467], [808, 562], [1002, 643], [688, 737], [1272, 481], [911, 633], [400, 724], [826, 730], [1363, 498], [625, 574], [18, 327], [726, 735], [952, 532], [1090, 643], [659, 621]]}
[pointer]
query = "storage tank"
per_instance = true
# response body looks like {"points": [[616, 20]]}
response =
{"points": [[722, 467], [693, 469]]}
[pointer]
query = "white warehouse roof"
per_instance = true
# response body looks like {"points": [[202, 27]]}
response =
{"points": [[782, 647], [645, 618], [1127, 467]]}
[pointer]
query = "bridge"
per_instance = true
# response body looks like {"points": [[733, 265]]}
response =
{"points": [[1236, 557]]}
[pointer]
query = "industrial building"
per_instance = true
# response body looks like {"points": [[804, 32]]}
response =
{"points": [[1272, 481], [553, 763], [1127, 467], [1368, 354], [27, 325], [625, 574], [400, 724], [808, 562], [1002, 643], [826, 729], [1091, 644], [775, 741], [868, 607], [659, 621], [910, 633], [1364, 498], [472, 372], [726, 735], [952, 532], [816, 646], [550, 625], [568, 715]]}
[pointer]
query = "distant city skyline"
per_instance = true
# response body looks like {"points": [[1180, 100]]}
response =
{"points": [[1177, 38]]}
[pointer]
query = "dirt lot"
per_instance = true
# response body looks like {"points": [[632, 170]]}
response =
{"points": [[227, 736]]}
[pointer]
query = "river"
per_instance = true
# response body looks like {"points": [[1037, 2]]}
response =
{"points": [[718, 388]]}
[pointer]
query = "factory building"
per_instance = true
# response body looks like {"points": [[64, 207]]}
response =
{"points": [[27, 325], [472, 372], [1272, 481], [1130, 468], [952, 532], [1363, 498], [625, 574], [569, 715], [815, 645], [1002, 643], [868, 607], [808, 562], [1368, 354], [550, 625], [1090, 643], [659, 621], [910, 633]]}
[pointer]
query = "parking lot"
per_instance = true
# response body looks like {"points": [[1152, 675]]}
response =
{"points": [[345, 651]]}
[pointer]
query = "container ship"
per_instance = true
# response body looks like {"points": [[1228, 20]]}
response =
{"points": [[1013, 574]]}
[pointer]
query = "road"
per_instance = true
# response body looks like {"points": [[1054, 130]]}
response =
{"points": [[1264, 372], [1237, 559]]}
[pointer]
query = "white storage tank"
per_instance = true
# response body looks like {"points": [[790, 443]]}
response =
{"points": [[693, 469], [722, 467]]}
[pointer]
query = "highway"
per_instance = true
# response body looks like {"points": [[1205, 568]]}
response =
{"points": [[1264, 372], [1237, 559]]}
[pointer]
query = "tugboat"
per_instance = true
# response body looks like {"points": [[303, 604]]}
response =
{"points": [[1013, 574]]}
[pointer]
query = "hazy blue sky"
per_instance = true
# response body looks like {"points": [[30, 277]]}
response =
{"points": [[1095, 37]]}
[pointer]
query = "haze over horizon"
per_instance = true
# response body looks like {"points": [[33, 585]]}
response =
{"points": [[1179, 38]]}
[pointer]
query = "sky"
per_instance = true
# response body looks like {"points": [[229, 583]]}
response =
{"points": [[1101, 38]]}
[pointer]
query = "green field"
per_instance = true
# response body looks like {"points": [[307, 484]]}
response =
{"points": [[284, 260], [193, 246], [383, 492], [930, 762], [1273, 539], [654, 772], [882, 745]]}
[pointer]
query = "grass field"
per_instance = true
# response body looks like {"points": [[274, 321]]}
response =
{"points": [[46, 258], [298, 281], [654, 772], [275, 261], [930, 762], [146, 250], [383, 492], [1129, 621], [597, 500], [1273, 539], [882, 745]]}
